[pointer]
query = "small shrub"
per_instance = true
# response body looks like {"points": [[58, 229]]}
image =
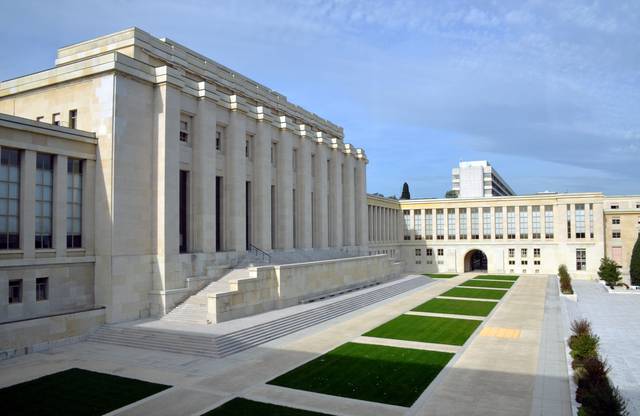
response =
{"points": [[583, 347], [581, 327], [609, 272]]}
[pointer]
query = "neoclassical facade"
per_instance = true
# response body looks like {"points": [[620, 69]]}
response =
{"points": [[532, 234], [192, 164]]}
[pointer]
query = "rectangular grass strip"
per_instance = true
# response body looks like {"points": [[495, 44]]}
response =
{"points": [[440, 276], [487, 283], [495, 277], [375, 373], [459, 307], [438, 330], [74, 392], [240, 406], [461, 292]]}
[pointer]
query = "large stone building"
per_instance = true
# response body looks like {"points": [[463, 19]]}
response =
{"points": [[188, 165], [532, 234]]}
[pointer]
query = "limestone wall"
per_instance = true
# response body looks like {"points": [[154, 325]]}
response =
{"points": [[38, 334], [274, 287]]}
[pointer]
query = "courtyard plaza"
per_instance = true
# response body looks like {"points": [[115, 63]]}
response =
{"points": [[474, 356]]}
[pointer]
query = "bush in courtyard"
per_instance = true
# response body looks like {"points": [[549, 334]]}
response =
{"points": [[565, 280], [634, 267], [609, 272]]}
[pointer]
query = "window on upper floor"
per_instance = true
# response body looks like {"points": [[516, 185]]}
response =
{"points": [[9, 199]]}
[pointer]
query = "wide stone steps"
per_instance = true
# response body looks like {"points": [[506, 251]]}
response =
{"points": [[234, 342]]}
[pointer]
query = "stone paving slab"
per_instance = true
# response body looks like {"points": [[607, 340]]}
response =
{"points": [[407, 344], [495, 375]]}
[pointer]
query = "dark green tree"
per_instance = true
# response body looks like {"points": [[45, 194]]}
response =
{"points": [[451, 194], [609, 272], [405, 192], [634, 267]]}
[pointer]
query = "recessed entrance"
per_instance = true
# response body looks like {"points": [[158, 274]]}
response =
{"points": [[475, 261]]}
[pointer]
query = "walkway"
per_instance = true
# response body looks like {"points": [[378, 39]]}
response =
{"points": [[614, 318]]}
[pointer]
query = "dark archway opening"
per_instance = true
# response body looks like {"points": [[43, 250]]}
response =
{"points": [[475, 261]]}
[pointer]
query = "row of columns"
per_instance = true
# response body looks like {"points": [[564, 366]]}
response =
{"points": [[330, 203]]}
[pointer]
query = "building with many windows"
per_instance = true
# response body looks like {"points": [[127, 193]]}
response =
{"points": [[477, 179], [532, 234], [188, 166]]}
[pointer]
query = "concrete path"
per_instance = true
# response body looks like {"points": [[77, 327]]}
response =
{"points": [[614, 318], [495, 375]]}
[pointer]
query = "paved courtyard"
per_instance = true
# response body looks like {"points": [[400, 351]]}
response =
{"points": [[500, 370], [614, 318]]}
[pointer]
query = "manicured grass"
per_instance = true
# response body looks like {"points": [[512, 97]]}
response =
{"points": [[239, 406], [450, 331], [74, 392], [440, 276], [461, 292], [488, 283], [496, 277], [375, 373], [454, 306]]}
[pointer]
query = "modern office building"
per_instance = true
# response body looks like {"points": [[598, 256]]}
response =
{"points": [[477, 179], [528, 234]]}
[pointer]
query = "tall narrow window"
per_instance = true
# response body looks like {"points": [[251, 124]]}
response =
{"points": [[9, 199], [524, 222], [73, 119], [548, 221], [462, 213], [451, 223], [535, 221], [44, 200], [511, 223], [580, 221], [486, 223], [74, 203], [499, 227]]}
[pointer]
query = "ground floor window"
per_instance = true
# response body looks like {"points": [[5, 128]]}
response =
{"points": [[581, 259]]}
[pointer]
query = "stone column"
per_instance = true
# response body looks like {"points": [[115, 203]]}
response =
{"points": [[348, 198], [304, 187], [203, 224], [166, 192], [262, 180], [60, 205], [284, 186], [28, 203], [335, 194], [362, 231], [235, 182], [320, 193]]}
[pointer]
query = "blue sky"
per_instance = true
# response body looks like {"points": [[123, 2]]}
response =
{"points": [[548, 91]]}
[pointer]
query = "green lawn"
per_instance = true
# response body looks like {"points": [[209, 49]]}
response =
{"points": [[450, 331], [454, 306], [461, 292], [488, 283], [74, 392], [241, 407], [440, 276], [376, 373], [496, 277]]}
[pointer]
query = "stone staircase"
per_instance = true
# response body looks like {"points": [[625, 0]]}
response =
{"points": [[224, 345]]}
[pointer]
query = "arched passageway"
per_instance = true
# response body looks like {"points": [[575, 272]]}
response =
{"points": [[475, 261]]}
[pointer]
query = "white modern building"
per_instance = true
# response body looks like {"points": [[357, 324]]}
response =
{"points": [[478, 179]]}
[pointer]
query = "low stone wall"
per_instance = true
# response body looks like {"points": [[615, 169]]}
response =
{"points": [[38, 334], [275, 287]]}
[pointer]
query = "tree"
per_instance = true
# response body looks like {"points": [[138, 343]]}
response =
{"points": [[451, 194], [634, 267], [405, 192], [609, 272]]}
